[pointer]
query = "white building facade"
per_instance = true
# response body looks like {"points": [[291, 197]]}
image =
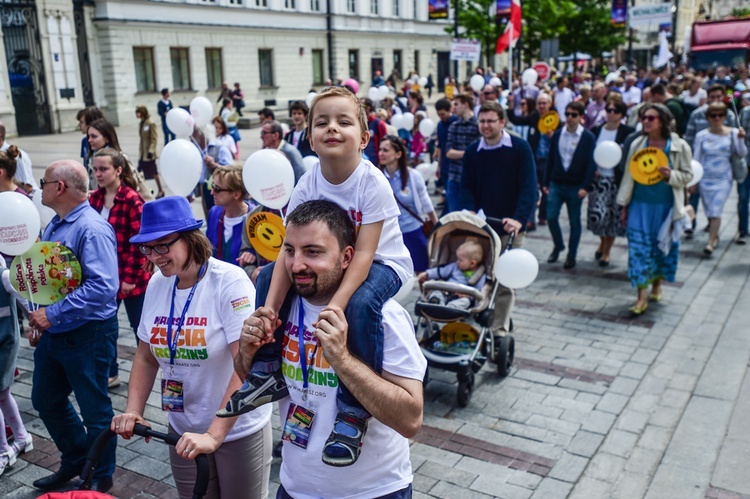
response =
{"points": [[117, 54]]}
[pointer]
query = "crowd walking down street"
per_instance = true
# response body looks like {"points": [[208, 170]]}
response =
{"points": [[292, 364]]}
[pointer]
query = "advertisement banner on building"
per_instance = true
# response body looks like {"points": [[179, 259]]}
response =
{"points": [[619, 13], [465, 49], [438, 9], [502, 10], [650, 16]]}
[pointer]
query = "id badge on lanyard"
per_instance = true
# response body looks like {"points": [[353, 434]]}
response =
{"points": [[172, 385], [300, 417]]}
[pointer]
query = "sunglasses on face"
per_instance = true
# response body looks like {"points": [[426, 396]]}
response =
{"points": [[650, 117], [43, 182], [219, 189], [611, 110], [571, 115], [712, 116]]}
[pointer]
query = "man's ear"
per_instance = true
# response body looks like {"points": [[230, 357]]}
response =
{"points": [[347, 254]]}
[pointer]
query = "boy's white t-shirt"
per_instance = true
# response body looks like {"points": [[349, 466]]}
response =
{"points": [[368, 198], [223, 299], [383, 466]]}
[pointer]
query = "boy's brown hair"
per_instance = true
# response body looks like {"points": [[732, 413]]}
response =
{"points": [[339, 92]]}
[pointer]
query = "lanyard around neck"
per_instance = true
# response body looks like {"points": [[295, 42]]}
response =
{"points": [[172, 341]]}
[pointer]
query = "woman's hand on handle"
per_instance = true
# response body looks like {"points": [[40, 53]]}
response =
{"points": [[191, 445], [123, 424]]}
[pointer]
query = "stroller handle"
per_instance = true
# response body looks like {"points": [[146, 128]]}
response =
{"points": [[511, 236], [92, 459]]}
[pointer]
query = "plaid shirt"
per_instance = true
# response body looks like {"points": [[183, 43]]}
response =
{"points": [[125, 218], [460, 134]]}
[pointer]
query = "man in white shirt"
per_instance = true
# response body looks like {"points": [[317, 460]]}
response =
{"points": [[319, 246], [631, 95], [563, 96]]}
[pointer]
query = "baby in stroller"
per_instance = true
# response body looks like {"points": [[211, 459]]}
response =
{"points": [[467, 270]]}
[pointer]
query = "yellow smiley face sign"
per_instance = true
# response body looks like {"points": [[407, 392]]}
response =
{"points": [[548, 122], [644, 165], [266, 234]]}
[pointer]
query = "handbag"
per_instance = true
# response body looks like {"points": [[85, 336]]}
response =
{"points": [[427, 225], [739, 164]]}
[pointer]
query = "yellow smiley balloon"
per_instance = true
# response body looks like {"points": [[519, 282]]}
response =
{"points": [[644, 165], [266, 234], [548, 122]]}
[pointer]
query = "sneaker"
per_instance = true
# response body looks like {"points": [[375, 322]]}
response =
{"points": [[742, 238], [113, 382], [255, 392]]}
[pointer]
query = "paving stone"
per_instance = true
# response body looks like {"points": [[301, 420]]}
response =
{"points": [[588, 488], [605, 467], [449, 491], [612, 402], [644, 461], [671, 481], [492, 486], [655, 438], [523, 479], [551, 488], [421, 483], [619, 443], [629, 485], [568, 468], [147, 466], [585, 443], [447, 474], [554, 425], [598, 422], [624, 386], [433, 454]]}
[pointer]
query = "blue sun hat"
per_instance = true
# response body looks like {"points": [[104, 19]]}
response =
{"points": [[165, 216]]}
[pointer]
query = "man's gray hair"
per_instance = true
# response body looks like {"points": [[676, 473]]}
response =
{"points": [[275, 127], [74, 175]]}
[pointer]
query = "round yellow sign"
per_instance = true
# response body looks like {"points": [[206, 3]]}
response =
{"points": [[644, 165], [265, 231], [548, 122]]}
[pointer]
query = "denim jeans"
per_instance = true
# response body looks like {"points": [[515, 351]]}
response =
{"points": [[133, 308], [541, 171], [168, 135], [76, 361], [695, 201], [363, 314], [405, 493], [568, 195], [453, 195], [743, 190]]}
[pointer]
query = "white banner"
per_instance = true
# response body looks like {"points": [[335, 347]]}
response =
{"points": [[648, 15], [465, 49]]}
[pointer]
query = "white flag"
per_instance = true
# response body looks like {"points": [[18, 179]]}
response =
{"points": [[664, 54]]}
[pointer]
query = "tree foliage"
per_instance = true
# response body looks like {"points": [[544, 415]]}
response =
{"points": [[740, 12], [477, 21]]}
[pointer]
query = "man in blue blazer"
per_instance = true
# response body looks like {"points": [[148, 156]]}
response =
{"points": [[569, 178]]}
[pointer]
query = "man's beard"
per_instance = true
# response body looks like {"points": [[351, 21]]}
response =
{"points": [[320, 286]]}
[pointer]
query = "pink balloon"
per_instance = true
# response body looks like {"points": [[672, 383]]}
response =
{"points": [[353, 84]]}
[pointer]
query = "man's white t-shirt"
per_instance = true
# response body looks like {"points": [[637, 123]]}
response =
{"points": [[223, 299], [368, 198], [383, 466]]}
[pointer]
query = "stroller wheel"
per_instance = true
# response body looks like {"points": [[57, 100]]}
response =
{"points": [[465, 391], [505, 351]]}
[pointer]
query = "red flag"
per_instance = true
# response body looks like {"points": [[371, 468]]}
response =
{"points": [[513, 27]]}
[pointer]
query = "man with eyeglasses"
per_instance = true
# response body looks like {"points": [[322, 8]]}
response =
{"points": [[488, 94], [271, 134], [74, 353], [499, 177], [569, 179]]}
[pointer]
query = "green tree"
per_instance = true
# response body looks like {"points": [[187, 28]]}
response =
{"points": [[740, 12], [477, 22]]}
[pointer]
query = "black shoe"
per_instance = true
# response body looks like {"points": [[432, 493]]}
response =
{"points": [[554, 255], [56, 480], [97, 484], [255, 392], [598, 255], [569, 263], [602, 263], [742, 238], [689, 233]]}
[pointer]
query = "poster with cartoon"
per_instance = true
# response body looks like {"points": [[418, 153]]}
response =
{"points": [[45, 273]]}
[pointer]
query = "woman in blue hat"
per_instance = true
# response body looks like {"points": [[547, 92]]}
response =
{"points": [[192, 317]]}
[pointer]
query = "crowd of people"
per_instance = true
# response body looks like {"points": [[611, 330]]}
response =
{"points": [[231, 331]]}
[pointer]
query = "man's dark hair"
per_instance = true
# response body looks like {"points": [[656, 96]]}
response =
{"points": [[576, 106], [299, 105], [715, 87], [368, 104], [164, 91], [659, 89], [443, 105], [466, 99], [267, 112], [330, 213], [89, 114], [492, 107]]}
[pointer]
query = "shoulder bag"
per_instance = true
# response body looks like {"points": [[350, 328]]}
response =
{"points": [[427, 225], [739, 164]]}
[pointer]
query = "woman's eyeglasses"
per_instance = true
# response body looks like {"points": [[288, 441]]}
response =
{"points": [[649, 117], [162, 249]]}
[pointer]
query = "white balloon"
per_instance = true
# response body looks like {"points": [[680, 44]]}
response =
{"points": [[19, 225], [516, 268], [529, 77], [180, 123], [45, 213], [373, 93], [424, 169], [611, 77], [201, 110], [433, 167], [403, 293], [407, 121], [269, 178], [697, 173], [309, 161], [476, 82], [309, 98], [607, 154], [396, 120], [180, 166], [426, 127], [495, 81], [382, 92], [415, 78], [422, 82]]}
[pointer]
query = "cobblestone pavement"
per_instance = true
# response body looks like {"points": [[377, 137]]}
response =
{"points": [[597, 404]]}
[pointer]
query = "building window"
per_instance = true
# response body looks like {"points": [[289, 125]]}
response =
{"points": [[416, 16], [235, 2], [261, 3], [374, 7], [395, 4], [143, 57], [317, 60], [180, 68], [315, 5], [265, 61], [397, 62], [354, 64], [290, 4], [351, 6], [214, 68], [416, 61]]}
